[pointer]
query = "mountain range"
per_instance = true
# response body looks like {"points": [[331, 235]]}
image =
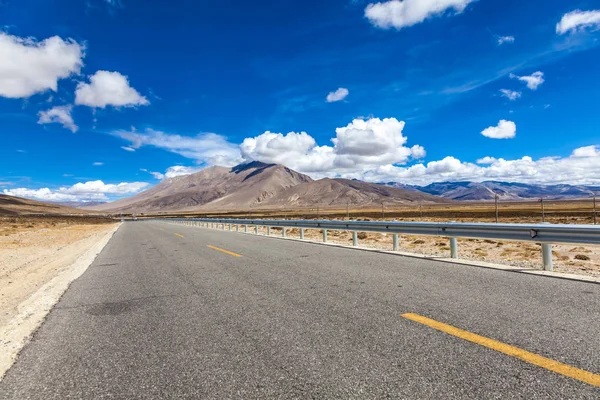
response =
{"points": [[484, 191], [261, 186], [15, 206]]}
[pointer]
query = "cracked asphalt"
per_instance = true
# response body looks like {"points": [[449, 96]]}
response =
{"points": [[160, 315]]}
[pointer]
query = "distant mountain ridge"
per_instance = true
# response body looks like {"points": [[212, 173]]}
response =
{"points": [[77, 204], [260, 186], [15, 206], [487, 190]]}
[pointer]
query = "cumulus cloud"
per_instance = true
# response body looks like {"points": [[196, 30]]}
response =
{"points": [[28, 66], [504, 130], [587, 151], [180, 170], [533, 81], [80, 192], [402, 13], [108, 89], [547, 170], [208, 148], [338, 95], [60, 115], [156, 175], [510, 94], [505, 39], [486, 160], [578, 20], [359, 145]]}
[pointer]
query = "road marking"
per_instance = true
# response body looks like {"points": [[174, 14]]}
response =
{"points": [[177, 234], [231, 253], [524, 355]]}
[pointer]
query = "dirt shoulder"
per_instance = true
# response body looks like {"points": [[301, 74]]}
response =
{"points": [[34, 251], [572, 259]]}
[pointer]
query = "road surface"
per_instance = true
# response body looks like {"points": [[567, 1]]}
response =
{"points": [[169, 311]]}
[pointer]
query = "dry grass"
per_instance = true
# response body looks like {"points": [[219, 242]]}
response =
{"points": [[564, 212], [12, 225], [567, 258]]}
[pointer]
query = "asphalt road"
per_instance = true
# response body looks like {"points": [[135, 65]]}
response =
{"points": [[160, 314]]}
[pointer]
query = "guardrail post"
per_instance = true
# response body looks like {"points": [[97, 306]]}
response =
{"points": [[268, 231], [324, 235], [453, 248], [237, 227], [395, 242], [256, 229], [547, 256], [229, 226], [302, 233], [245, 228], [354, 238], [283, 234]]}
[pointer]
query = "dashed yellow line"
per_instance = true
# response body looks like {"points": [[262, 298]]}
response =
{"points": [[231, 253], [177, 234], [524, 355]]}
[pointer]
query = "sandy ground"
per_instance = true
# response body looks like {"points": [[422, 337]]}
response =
{"points": [[31, 257], [573, 259], [38, 261]]}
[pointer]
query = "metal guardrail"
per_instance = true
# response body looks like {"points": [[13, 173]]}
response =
{"points": [[545, 234]]}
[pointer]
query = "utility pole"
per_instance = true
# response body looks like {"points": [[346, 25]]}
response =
{"points": [[420, 210], [382, 211], [595, 215], [496, 197], [348, 209], [543, 213], [318, 214]]}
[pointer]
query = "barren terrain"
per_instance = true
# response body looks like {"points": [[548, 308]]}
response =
{"points": [[35, 250], [15, 206]]}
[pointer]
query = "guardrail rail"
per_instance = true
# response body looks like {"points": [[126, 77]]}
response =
{"points": [[545, 234]]}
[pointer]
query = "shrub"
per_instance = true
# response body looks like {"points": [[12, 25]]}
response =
{"points": [[582, 257]]}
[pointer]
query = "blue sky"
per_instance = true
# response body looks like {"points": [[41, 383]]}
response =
{"points": [[100, 99]]}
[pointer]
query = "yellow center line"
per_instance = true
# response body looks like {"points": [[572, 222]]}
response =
{"points": [[524, 355], [177, 234], [231, 253]]}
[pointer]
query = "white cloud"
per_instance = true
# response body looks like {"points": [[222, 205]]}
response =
{"points": [[510, 94], [486, 160], [402, 13], [338, 95], [578, 20], [504, 130], [156, 175], [81, 192], [98, 164], [208, 148], [505, 39], [179, 170], [60, 115], [360, 145], [127, 148], [28, 66], [587, 151], [108, 89], [533, 81], [548, 170]]}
